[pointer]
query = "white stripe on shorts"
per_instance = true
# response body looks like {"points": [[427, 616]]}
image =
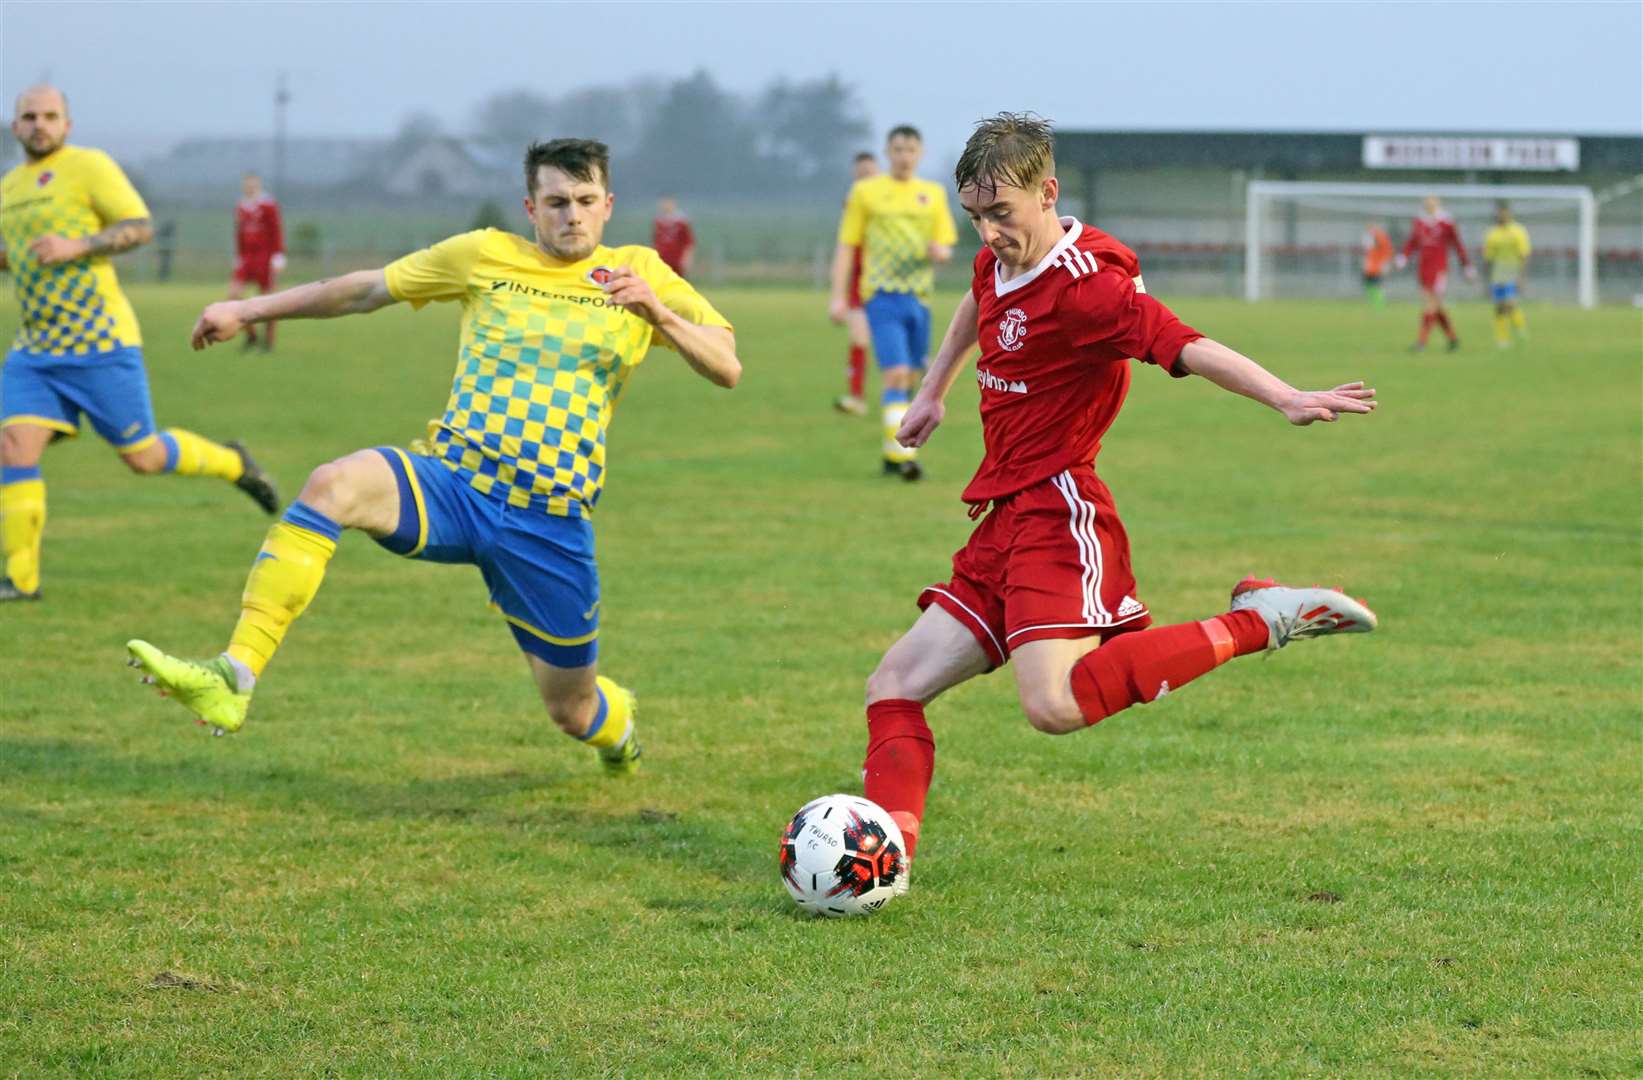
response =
{"points": [[979, 620], [1082, 525]]}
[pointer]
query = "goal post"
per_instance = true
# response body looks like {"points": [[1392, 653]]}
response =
{"points": [[1336, 208]]}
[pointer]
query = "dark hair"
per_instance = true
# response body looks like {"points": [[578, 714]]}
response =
{"points": [[1017, 149], [904, 129], [865, 155], [587, 160]]}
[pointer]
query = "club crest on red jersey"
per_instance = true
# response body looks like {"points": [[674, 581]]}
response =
{"points": [[45, 178], [601, 275], [1012, 329]]}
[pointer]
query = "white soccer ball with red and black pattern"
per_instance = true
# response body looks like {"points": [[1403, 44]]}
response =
{"points": [[842, 855]]}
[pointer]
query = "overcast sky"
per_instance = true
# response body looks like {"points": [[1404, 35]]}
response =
{"points": [[141, 75]]}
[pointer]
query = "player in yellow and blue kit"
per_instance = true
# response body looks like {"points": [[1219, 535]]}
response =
{"points": [[551, 332], [902, 226], [1506, 251], [63, 212]]}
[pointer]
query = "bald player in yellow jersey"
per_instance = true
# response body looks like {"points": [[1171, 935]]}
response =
{"points": [[78, 354], [552, 328], [902, 226]]}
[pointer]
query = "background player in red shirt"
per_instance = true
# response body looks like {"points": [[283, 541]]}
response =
{"points": [[1045, 579], [670, 235], [855, 319], [259, 249], [1433, 234]]}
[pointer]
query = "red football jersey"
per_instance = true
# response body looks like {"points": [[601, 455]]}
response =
{"points": [[1433, 237], [671, 237], [257, 232], [1055, 348]]}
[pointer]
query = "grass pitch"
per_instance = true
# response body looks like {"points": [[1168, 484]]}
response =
{"points": [[1416, 853]]}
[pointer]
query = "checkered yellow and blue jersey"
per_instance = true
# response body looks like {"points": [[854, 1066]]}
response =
{"points": [[542, 361], [1504, 249], [894, 222], [74, 308]]}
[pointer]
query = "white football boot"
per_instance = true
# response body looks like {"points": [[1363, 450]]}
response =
{"points": [[1293, 614]]}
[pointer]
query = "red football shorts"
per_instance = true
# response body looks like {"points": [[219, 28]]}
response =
{"points": [[255, 270], [1051, 561], [1437, 279]]}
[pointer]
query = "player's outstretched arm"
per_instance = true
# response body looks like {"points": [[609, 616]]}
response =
{"points": [[1231, 370], [351, 294], [709, 350], [929, 407]]}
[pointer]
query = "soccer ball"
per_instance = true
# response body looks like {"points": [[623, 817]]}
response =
{"points": [[842, 855]]}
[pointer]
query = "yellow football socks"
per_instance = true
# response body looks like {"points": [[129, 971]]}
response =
{"points": [[892, 414], [22, 522], [197, 455], [613, 718], [1503, 333], [284, 578], [1519, 323]]}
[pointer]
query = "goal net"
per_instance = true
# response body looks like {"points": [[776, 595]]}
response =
{"points": [[1308, 239]]}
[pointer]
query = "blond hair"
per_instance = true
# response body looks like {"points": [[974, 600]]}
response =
{"points": [[1014, 149]]}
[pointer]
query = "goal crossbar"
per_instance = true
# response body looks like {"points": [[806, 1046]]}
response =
{"points": [[1260, 190]]}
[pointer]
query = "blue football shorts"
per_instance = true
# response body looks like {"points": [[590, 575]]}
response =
{"points": [[1504, 291], [539, 567], [900, 325], [110, 389]]}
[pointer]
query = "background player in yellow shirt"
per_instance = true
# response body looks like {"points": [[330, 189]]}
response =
{"points": [[63, 212], [1506, 252], [903, 227], [551, 330]]}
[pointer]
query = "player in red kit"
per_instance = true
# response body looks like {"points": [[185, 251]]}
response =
{"points": [[1433, 234], [670, 235], [259, 249], [1058, 310], [855, 319]]}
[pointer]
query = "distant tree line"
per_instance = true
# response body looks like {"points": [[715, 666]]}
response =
{"points": [[690, 136]]}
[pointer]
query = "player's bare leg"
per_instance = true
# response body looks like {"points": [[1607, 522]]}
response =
{"points": [[592, 709], [1433, 313], [184, 453], [935, 655], [1067, 685], [1509, 317], [852, 402], [359, 491], [22, 508]]}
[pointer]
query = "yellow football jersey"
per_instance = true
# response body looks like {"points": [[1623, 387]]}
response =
{"points": [[542, 361], [1504, 249], [894, 222], [74, 308]]}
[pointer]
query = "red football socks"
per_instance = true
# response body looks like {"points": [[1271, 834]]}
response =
{"points": [[1147, 664], [1426, 326], [901, 758], [1443, 321], [858, 369]]}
